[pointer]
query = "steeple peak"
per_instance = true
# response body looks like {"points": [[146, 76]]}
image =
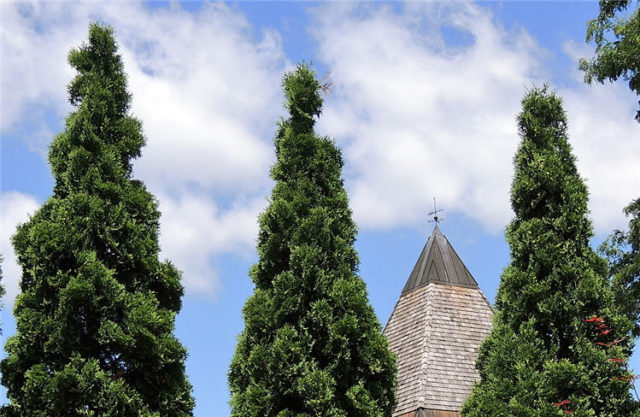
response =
{"points": [[439, 263]]}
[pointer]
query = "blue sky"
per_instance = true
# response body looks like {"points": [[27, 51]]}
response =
{"points": [[424, 103]]}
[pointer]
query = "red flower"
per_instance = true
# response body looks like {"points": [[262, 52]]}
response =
{"points": [[562, 403], [629, 378], [595, 319], [615, 342]]}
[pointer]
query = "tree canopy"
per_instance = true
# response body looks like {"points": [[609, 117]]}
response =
{"points": [[312, 345], [559, 343], [96, 311]]}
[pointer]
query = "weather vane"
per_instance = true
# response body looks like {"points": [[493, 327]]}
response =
{"points": [[434, 213]]}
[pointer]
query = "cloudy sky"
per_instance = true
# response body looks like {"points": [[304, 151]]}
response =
{"points": [[423, 104]]}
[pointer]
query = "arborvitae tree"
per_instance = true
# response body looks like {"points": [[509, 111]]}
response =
{"points": [[618, 57], [312, 345], [559, 344], [96, 313], [623, 251]]}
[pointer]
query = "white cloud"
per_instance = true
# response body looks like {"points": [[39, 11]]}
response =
{"points": [[15, 208], [194, 230], [34, 56], [421, 114], [208, 95], [606, 140], [419, 118], [204, 84]]}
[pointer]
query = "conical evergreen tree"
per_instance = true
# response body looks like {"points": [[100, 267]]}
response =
{"points": [[96, 313], [312, 345], [559, 344]]}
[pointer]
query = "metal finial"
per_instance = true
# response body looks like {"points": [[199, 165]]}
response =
{"points": [[434, 213]]}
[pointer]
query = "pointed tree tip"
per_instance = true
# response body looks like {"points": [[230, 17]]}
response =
{"points": [[302, 92]]}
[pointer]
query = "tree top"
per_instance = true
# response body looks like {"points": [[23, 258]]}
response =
{"points": [[302, 95]]}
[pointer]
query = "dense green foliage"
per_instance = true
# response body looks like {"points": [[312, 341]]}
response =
{"points": [[618, 57], [559, 342], [623, 251], [96, 313], [312, 345]]}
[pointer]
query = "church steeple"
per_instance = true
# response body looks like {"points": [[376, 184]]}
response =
{"points": [[439, 262], [435, 331]]}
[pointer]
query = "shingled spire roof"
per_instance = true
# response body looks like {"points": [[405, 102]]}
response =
{"points": [[435, 330], [439, 262]]}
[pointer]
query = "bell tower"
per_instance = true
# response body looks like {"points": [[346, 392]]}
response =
{"points": [[435, 330]]}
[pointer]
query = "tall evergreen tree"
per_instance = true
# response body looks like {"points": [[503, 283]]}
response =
{"points": [[559, 344], [312, 345], [96, 313]]}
